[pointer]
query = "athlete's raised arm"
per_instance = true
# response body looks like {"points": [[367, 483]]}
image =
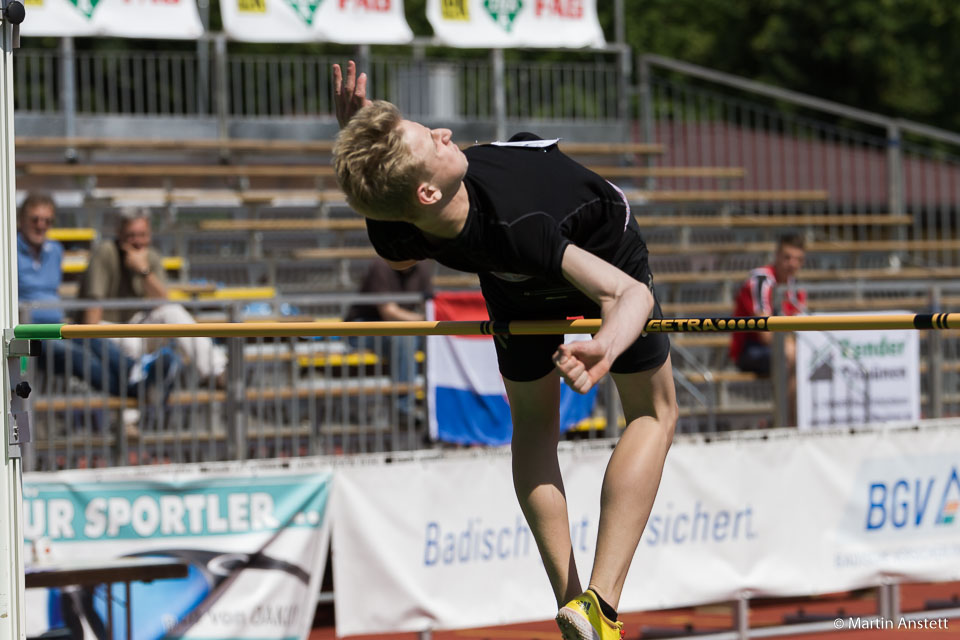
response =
{"points": [[350, 93], [625, 305]]}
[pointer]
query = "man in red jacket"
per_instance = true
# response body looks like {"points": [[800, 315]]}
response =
{"points": [[751, 351]]}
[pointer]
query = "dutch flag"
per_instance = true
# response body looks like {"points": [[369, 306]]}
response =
{"points": [[467, 400]]}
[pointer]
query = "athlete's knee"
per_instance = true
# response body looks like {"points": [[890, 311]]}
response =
{"points": [[665, 416], [668, 420]]}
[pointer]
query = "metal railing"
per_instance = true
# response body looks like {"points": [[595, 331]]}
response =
{"points": [[37, 81], [142, 83], [97, 405], [290, 397], [233, 88], [783, 139], [780, 139], [278, 86]]}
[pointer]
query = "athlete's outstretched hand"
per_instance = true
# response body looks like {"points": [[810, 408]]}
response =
{"points": [[582, 364], [350, 93]]}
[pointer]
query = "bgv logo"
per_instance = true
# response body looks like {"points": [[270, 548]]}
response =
{"points": [[913, 502]]}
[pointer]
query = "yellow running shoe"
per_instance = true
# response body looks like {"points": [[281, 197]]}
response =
{"points": [[581, 619]]}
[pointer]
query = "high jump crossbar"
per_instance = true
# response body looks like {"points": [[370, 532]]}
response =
{"points": [[484, 327]]}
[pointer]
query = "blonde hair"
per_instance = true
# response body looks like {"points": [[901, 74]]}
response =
{"points": [[374, 165]]}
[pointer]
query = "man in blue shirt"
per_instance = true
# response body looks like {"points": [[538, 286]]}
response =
{"points": [[39, 259], [39, 273]]}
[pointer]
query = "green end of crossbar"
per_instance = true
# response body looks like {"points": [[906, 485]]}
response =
{"points": [[37, 331]]}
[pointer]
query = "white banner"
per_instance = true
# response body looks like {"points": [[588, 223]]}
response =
{"points": [[516, 23], [442, 544], [857, 377], [344, 21], [168, 19], [255, 542]]}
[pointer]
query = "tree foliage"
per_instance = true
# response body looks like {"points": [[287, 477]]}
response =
{"points": [[889, 56]]}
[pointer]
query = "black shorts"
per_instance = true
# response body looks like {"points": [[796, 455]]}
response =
{"points": [[755, 358], [528, 358]]}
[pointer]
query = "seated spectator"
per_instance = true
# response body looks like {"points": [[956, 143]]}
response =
{"points": [[128, 267], [39, 274], [381, 278], [39, 259], [751, 351]]}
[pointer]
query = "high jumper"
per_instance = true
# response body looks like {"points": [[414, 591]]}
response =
{"points": [[549, 239]]}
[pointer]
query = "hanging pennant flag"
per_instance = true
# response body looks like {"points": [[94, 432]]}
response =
{"points": [[170, 19], [516, 23], [344, 21], [468, 402]]}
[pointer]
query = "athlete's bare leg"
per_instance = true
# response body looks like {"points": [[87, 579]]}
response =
{"points": [[536, 478], [633, 474]]}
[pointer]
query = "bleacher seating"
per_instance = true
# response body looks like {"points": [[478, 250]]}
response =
{"points": [[71, 236], [320, 172], [246, 220]]}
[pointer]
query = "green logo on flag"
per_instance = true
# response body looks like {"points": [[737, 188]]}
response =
{"points": [[503, 12], [86, 6], [305, 9]]}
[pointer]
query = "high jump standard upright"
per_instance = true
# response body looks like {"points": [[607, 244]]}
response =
{"points": [[11, 505]]}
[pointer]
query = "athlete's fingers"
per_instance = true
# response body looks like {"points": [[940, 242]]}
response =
{"points": [[588, 354], [598, 370], [587, 350], [570, 367], [581, 383], [572, 370], [574, 373], [564, 359], [584, 383], [361, 88], [337, 79], [572, 349], [351, 77]]}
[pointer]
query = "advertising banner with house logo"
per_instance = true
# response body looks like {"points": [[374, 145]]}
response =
{"points": [[170, 19], [344, 21], [857, 377], [516, 23]]}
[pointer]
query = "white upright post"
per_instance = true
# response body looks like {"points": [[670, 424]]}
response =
{"points": [[11, 507]]}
